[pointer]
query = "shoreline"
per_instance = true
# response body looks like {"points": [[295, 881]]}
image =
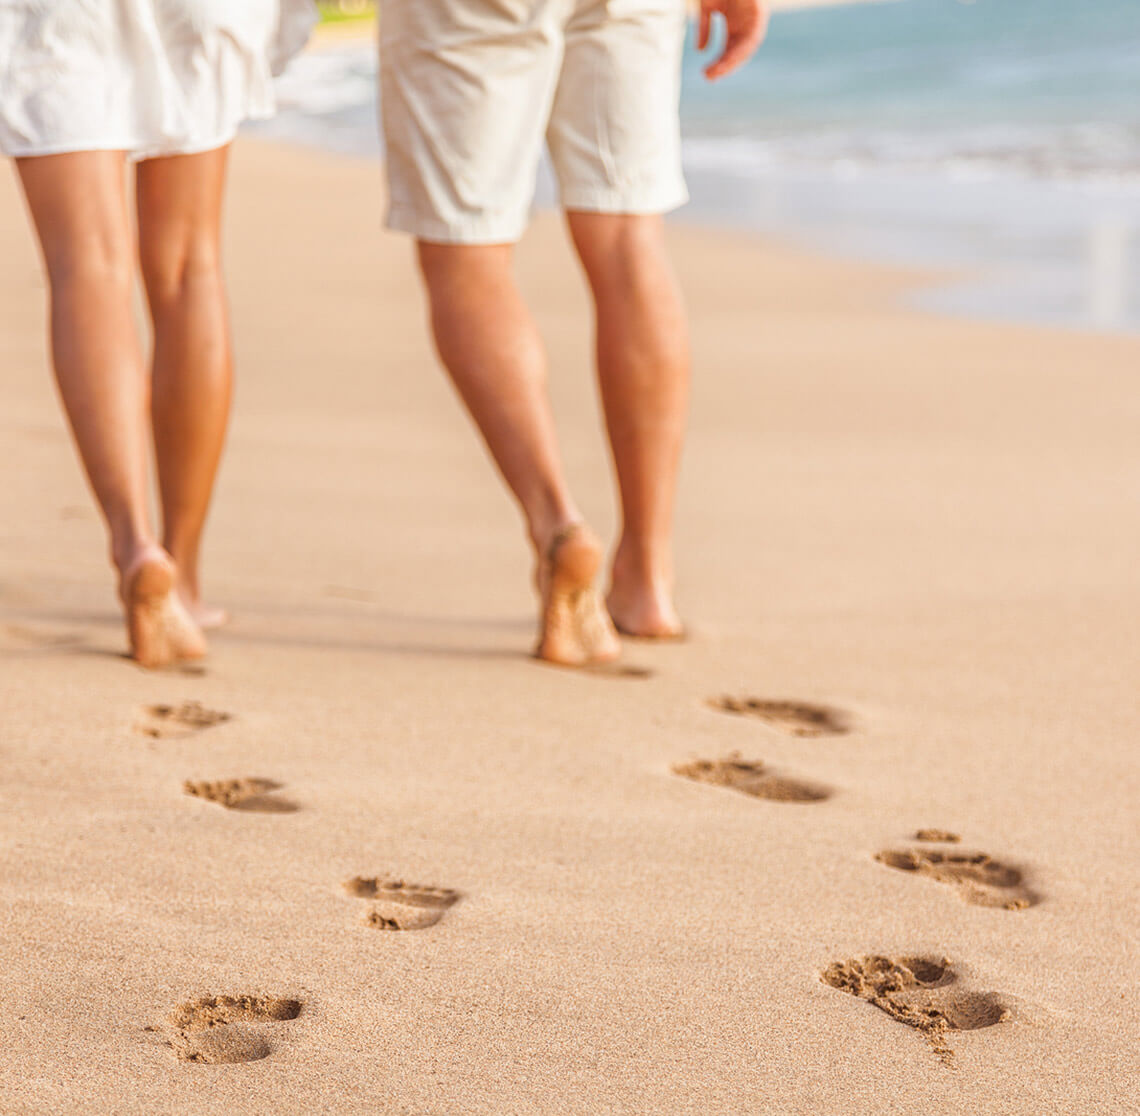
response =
{"points": [[1030, 245], [1086, 288]]}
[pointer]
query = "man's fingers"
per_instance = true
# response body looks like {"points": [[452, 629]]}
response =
{"points": [[740, 47], [746, 22], [704, 27]]}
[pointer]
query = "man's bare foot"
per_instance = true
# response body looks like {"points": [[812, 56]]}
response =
{"points": [[640, 597], [644, 613], [575, 628], [159, 628]]}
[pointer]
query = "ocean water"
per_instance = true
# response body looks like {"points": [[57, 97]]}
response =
{"points": [[1038, 88], [999, 139]]}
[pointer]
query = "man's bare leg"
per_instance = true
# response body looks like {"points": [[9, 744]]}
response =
{"points": [[78, 205], [488, 342], [179, 210], [643, 369]]}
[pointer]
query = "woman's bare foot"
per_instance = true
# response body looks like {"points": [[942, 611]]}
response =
{"points": [[159, 628], [575, 628], [642, 608], [208, 617]]}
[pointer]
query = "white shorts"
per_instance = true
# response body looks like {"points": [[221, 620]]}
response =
{"points": [[470, 89], [149, 77]]}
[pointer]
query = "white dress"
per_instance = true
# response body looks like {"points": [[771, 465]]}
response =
{"points": [[150, 77]]}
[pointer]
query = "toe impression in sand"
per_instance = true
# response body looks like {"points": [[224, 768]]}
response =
{"points": [[922, 992], [751, 777], [164, 722], [937, 837], [978, 878], [400, 905], [250, 795], [797, 718], [575, 627], [225, 1029]]}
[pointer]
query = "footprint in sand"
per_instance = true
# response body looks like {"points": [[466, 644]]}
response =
{"points": [[167, 722], [218, 1029], [42, 637], [921, 992], [976, 876], [937, 836], [399, 905], [616, 670], [752, 777], [798, 718], [255, 796]]}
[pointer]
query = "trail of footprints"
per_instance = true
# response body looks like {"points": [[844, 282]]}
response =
{"points": [[921, 992], [753, 777], [924, 993], [232, 1029], [250, 794]]}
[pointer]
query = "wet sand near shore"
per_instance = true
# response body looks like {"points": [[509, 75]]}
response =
{"points": [[865, 842]]}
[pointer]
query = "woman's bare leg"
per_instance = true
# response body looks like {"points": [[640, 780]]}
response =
{"points": [[643, 369], [179, 211], [490, 346], [78, 206]]}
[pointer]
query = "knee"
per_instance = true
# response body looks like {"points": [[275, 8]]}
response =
{"points": [[622, 253], [171, 268], [453, 271], [96, 259]]}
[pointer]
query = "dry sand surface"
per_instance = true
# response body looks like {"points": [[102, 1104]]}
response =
{"points": [[374, 859]]}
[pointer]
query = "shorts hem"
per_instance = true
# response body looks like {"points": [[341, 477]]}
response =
{"points": [[434, 230], [632, 202], [134, 150]]}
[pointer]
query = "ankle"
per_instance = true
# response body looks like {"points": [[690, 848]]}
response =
{"points": [[188, 585], [642, 569], [127, 549], [544, 527], [185, 555]]}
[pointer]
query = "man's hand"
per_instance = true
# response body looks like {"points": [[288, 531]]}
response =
{"points": [[746, 22]]}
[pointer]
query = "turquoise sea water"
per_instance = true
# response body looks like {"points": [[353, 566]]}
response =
{"points": [[998, 136], [1047, 88]]}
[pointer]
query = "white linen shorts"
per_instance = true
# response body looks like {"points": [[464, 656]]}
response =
{"points": [[471, 88], [149, 77]]}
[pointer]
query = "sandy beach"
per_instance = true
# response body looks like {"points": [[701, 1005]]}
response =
{"points": [[473, 884]]}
